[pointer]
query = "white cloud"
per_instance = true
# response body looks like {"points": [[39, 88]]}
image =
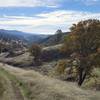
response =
{"points": [[29, 3], [46, 22], [89, 2], [42, 3]]}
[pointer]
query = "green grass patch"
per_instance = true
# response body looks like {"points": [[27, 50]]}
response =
{"points": [[2, 88], [93, 82]]}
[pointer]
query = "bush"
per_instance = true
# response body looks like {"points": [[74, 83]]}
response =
{"points": [[61, 66], [48, 55], [35, 50], [65, 70]]}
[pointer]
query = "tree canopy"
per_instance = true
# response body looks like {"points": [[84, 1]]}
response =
{"points": [[35, 50], [84, 42]]}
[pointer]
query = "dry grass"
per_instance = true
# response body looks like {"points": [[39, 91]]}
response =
{"points": [[41, 87], [20, 60]]}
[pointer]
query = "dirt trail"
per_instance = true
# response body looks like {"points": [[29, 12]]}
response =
{"points": [[15, 89], [17, 92]]}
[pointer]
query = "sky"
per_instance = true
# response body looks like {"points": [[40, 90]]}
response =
{"points": [[46, 16]]}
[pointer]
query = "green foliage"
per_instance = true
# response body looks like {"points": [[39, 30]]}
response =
{"points": [[1, 47], [68, 46], [61, 66], [59, 35], [35, 50], [65, 70], [94, 81], [84, 41]]}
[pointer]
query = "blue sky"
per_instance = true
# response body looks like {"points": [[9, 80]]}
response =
{"points": [[45, 16]]}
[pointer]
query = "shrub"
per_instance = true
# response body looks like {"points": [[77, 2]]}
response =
{"points": [[35, 50], [61, 66]]}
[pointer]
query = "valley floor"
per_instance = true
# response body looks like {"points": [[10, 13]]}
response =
{"points": [[20, 84]]}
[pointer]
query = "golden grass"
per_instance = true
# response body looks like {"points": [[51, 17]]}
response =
{"points": [[45, 88]]}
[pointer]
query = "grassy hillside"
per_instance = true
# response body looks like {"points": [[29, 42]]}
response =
{"points": [[54, 39], [19, 84], [24, 60]]}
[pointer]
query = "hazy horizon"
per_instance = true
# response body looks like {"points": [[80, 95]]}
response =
{"points": [[46, 16], [27, 32]]}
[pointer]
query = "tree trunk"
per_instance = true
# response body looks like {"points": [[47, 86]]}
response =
{"points": [[82, 76]]}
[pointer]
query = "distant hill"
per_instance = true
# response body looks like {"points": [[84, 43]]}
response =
{"points": [[54, 39], [9, 35], [47, 40], [18, 35]]}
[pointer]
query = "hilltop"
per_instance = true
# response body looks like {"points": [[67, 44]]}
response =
{"points": [[55, 39]]}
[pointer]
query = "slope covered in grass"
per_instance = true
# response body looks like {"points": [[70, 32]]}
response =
{"points": [[20, 84]]}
